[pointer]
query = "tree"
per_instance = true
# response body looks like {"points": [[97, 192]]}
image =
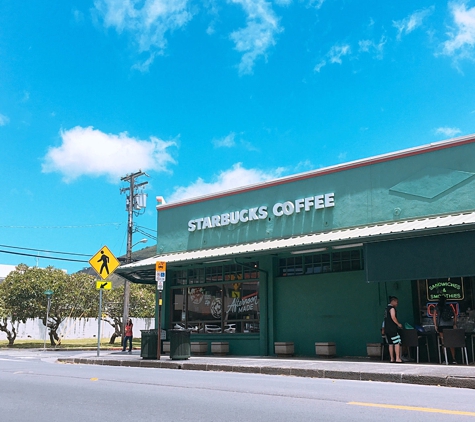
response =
{"points": [[5, 319], [74, 296], [141, 305]]}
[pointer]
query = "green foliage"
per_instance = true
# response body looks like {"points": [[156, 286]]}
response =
{"points": [[23, 296], [141, 305], [142, 300]]}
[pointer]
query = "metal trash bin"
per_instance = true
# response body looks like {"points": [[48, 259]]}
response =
{"points": [[148, 344], [180, 346]]}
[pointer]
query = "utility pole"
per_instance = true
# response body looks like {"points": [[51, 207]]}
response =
{"points": [[134, 201]]}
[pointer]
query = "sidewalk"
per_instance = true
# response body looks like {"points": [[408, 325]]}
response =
{"points": [[362, 369]]}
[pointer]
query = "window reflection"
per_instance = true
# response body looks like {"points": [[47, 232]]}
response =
{"points": [[226, 307]]}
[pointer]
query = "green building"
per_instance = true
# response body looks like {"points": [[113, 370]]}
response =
{"points": [[313, 257]]}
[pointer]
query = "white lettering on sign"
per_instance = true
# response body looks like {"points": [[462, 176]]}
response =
{"points": [[279, 209], [243, 305]]}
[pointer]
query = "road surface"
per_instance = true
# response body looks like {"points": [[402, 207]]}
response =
{"points": [[36, 388]]}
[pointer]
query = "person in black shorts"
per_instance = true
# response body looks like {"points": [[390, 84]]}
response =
{"points": [[391, 325]]}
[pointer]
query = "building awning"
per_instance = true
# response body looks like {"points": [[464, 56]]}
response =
{"points": [[346, 237]]}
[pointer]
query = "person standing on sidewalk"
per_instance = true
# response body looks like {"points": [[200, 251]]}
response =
{"points": [[128, 335], [391, 325], [444, 317]]}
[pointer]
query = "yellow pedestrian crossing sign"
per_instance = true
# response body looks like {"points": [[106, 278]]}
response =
{"points": [[104, 262], [103, 285]]}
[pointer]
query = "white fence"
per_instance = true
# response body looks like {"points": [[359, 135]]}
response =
{"points": [[75, 328]]}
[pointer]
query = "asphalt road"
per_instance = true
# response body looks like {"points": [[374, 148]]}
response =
{"points": [[35, 388]]}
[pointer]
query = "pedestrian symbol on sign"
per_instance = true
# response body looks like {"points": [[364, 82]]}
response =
{"points": [[105, 263]]}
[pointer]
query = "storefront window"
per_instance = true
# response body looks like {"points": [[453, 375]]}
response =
{"points": [[196, 276], [321, 263], [316, 264], [214, 307], [459, 294]]}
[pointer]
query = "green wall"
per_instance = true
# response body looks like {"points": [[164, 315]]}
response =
{"points": [[436, 182], [340, 308]]}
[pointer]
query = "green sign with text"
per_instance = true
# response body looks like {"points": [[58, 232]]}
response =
{"points": [[451, 288]]}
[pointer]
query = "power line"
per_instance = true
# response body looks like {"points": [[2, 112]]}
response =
{"points": [[44, 250], [42, 256], [146, 228], [62, 227], [145, 234]]}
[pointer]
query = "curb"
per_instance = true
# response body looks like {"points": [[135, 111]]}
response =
{"points": [[401, 378]]}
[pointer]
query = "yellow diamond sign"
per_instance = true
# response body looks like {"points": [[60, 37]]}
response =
{"points": [[104, 262]]}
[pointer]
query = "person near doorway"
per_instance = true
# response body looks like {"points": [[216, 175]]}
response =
{"points": [[128, 335], [444, 318], [391, 326]]}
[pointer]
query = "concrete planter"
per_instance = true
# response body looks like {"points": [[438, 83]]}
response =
{"points": [[220, 348], [166, 347], [283, 349], [327, 349], [373, 350], [199, 347]]}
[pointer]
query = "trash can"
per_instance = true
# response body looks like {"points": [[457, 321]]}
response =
{"points": [[180, 347], [148, 344]]}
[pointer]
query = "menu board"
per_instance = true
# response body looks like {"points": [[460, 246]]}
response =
{"points": [[451, 288]]}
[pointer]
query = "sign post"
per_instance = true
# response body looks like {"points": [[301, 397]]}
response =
{"points": [[48, 294], [160, 276], [104, 263], [99, 318], [101, 285]]}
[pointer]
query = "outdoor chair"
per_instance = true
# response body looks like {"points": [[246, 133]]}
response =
{"points": [[455, 338], [410, 338]]}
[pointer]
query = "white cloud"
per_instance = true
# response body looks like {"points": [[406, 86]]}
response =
{"points": [[337, 52], [409, 24], [4, 120], [342, 156], [78, 16], [369, 46], [448, 131], [316, 3], [462, 39], [227, 142], [90, 152], [148, 21], [334, 55], [258, 36], [237, 176], [319, 66], [305, 165]]}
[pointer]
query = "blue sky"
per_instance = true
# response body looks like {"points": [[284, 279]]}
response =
{"points": [[206, 96]]}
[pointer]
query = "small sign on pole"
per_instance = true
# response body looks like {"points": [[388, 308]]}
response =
{"points": [[160, 277], [160, 274], [160, 266], [103, 285]]}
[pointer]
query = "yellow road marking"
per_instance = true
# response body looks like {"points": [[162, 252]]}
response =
{"points": [[94, 379], [413, 408]]}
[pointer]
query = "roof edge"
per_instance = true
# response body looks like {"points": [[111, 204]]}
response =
{"points": [[434, 146]]}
